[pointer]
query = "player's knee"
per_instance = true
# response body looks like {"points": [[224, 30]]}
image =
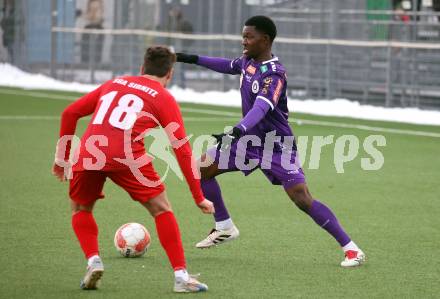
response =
{"points": [[302, 202], [158, 205], [204, 171], [207, 173], [300, 195], [157, 209], [76, 207], [161, 212]]}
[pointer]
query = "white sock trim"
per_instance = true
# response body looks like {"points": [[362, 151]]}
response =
{"points": [[350, 246], [183, 274], [224, 224], [90, 260]]}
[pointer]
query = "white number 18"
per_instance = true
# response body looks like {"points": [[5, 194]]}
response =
{"points": [[123, 116]]}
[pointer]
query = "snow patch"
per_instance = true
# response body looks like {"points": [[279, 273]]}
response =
{"points": [[13, 77]]}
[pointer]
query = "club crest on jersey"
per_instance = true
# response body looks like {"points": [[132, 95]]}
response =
{"points": [[268, 80], [263, 68], [251, 70], [255, 86]]}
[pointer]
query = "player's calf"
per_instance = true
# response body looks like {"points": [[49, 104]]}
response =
{"points": [[301, 196]]}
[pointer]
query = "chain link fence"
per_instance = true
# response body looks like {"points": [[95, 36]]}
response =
{"points": [[383, 55]]}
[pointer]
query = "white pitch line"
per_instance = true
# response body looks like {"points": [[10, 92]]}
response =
{"points": [[37, 94], [207, 119], [365, 128], [51, 117], [298, 121], [212, 112], [301, 121], [29, 117]]}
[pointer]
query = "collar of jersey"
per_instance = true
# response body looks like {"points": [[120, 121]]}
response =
{"points": [[149, 80], [270, 60]]}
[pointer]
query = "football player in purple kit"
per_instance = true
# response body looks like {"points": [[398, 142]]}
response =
{"points": [[263, 84]]}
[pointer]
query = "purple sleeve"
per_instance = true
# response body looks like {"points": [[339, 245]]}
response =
{"points": [[221, 65], [255, 115]]}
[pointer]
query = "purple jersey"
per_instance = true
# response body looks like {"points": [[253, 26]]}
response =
{"points": [[263, 83], [266, 81]]}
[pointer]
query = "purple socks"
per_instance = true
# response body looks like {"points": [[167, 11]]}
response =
{"points": [[212, 191], [319, 212], [325, 218]]}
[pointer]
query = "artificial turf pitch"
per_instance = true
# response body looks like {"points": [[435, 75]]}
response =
{"points": [[392, 213]]}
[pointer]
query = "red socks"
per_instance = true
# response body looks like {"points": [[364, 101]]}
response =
{"points": [[169, 236], [167, 228], [86, 231]]}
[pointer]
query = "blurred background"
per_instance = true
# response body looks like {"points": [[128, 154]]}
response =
{"points": [[379, 52]]}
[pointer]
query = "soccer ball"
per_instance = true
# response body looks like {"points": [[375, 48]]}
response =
{"points": [[132, 240]]}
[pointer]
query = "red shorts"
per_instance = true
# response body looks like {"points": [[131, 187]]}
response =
{"points": [[86, 186]]}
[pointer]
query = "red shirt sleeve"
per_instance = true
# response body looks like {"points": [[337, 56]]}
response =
{"points": [[170, 118], [83, 106]]}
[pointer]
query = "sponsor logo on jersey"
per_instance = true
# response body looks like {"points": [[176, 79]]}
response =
{"points": [[248, 78], [251, 70], [263, 68], [274, 67], [120, 81], [143, 88], [276, 93], [266, 84], [255, 86]]}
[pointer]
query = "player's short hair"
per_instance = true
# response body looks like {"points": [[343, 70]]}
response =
{"points": [[158, 61], [264, 25]]}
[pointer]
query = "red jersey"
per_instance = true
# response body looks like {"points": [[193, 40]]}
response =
{"points": [[123, 110]]}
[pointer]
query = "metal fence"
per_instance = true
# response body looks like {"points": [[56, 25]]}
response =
{"points": [[331, 49]]}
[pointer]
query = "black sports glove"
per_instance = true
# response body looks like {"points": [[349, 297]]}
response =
{"points": [[225, 140], [187, 58]]}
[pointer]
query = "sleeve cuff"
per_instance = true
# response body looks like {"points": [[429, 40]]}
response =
{"points": [[267, 101]]}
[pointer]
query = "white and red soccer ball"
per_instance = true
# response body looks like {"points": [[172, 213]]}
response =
{"points": [[132, 240]]}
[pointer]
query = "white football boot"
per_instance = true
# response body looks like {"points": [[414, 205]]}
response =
{"points": [[192, 285], [353, 258], [93, 275], [217, 237]]}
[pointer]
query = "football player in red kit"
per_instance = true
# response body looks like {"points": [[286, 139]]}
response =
{"points": [[123, 110]]}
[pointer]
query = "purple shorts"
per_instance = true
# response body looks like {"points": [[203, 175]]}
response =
{"points": [[280, 167]]}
